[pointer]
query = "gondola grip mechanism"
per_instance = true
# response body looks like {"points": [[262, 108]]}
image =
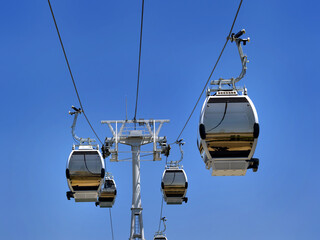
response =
{"points": [[239, 34]]}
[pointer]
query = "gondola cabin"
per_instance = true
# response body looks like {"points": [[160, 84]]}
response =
{"points": [[85, 173], [174, 185], [160, 237], [228, 131], [108, 193]]}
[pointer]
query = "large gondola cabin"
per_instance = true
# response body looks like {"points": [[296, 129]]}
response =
{"points": [[85, 173], [228, 134]]}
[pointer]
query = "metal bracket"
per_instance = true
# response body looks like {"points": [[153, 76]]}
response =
{"points": [[146, 131], [135, 133], [79, 139], [163, 219], [176, 163], [232, 81]]}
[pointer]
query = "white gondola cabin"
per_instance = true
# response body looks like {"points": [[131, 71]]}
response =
{"points": [[108, 193], [160, 237], [85, 173], [228, 131], [174, 185]]}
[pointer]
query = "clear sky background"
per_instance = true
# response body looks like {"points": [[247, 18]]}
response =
{"points": [[181, 42]]}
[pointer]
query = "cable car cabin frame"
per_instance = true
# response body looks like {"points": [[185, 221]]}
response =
{"points": [[160, 237], [174, 185], [85, 173], [228, 133], [107, 194]]}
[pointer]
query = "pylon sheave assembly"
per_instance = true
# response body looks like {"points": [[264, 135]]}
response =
{"points": [[229, 126]]}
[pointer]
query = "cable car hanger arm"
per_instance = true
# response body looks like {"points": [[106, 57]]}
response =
{"points": [[167, 152], [235, 38], [75, 113]]}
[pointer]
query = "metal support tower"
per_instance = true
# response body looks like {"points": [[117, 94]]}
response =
{"points": [[135, 136]]}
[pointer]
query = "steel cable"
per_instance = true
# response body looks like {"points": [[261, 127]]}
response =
{"points": [[139, 64], [204, 88], [72, 78], [78, 96], [160, 215], [111, 223]]}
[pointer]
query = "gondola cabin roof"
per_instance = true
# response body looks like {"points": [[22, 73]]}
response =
{"points": [[85, 147], [160, 237]]}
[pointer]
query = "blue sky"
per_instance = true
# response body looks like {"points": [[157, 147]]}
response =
{"points": [[181, 41]]}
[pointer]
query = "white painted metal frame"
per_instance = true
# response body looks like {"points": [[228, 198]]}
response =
{"points": [[209, 161], [236, 38], [107, 204], [230, 91], [135, 136], [175, 200], [150, 133], [89, 195]]}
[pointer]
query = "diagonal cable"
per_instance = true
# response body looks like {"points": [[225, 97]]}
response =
{"points": [[205, 86], [160, 214], [138, 81], [111, 223], [67, 61]]}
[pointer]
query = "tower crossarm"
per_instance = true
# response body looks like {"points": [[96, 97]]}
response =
{"points": [[143, 131]]}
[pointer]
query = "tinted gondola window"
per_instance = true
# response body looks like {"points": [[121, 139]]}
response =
{"points": [[109, 184], [84, 163], [174, 178], [229, 127]]}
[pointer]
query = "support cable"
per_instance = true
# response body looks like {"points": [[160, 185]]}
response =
{"points": [[111, 223], [161, 209], [74, 84], [160, 215], [78, 96], [205, 86], [138, 81]]}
